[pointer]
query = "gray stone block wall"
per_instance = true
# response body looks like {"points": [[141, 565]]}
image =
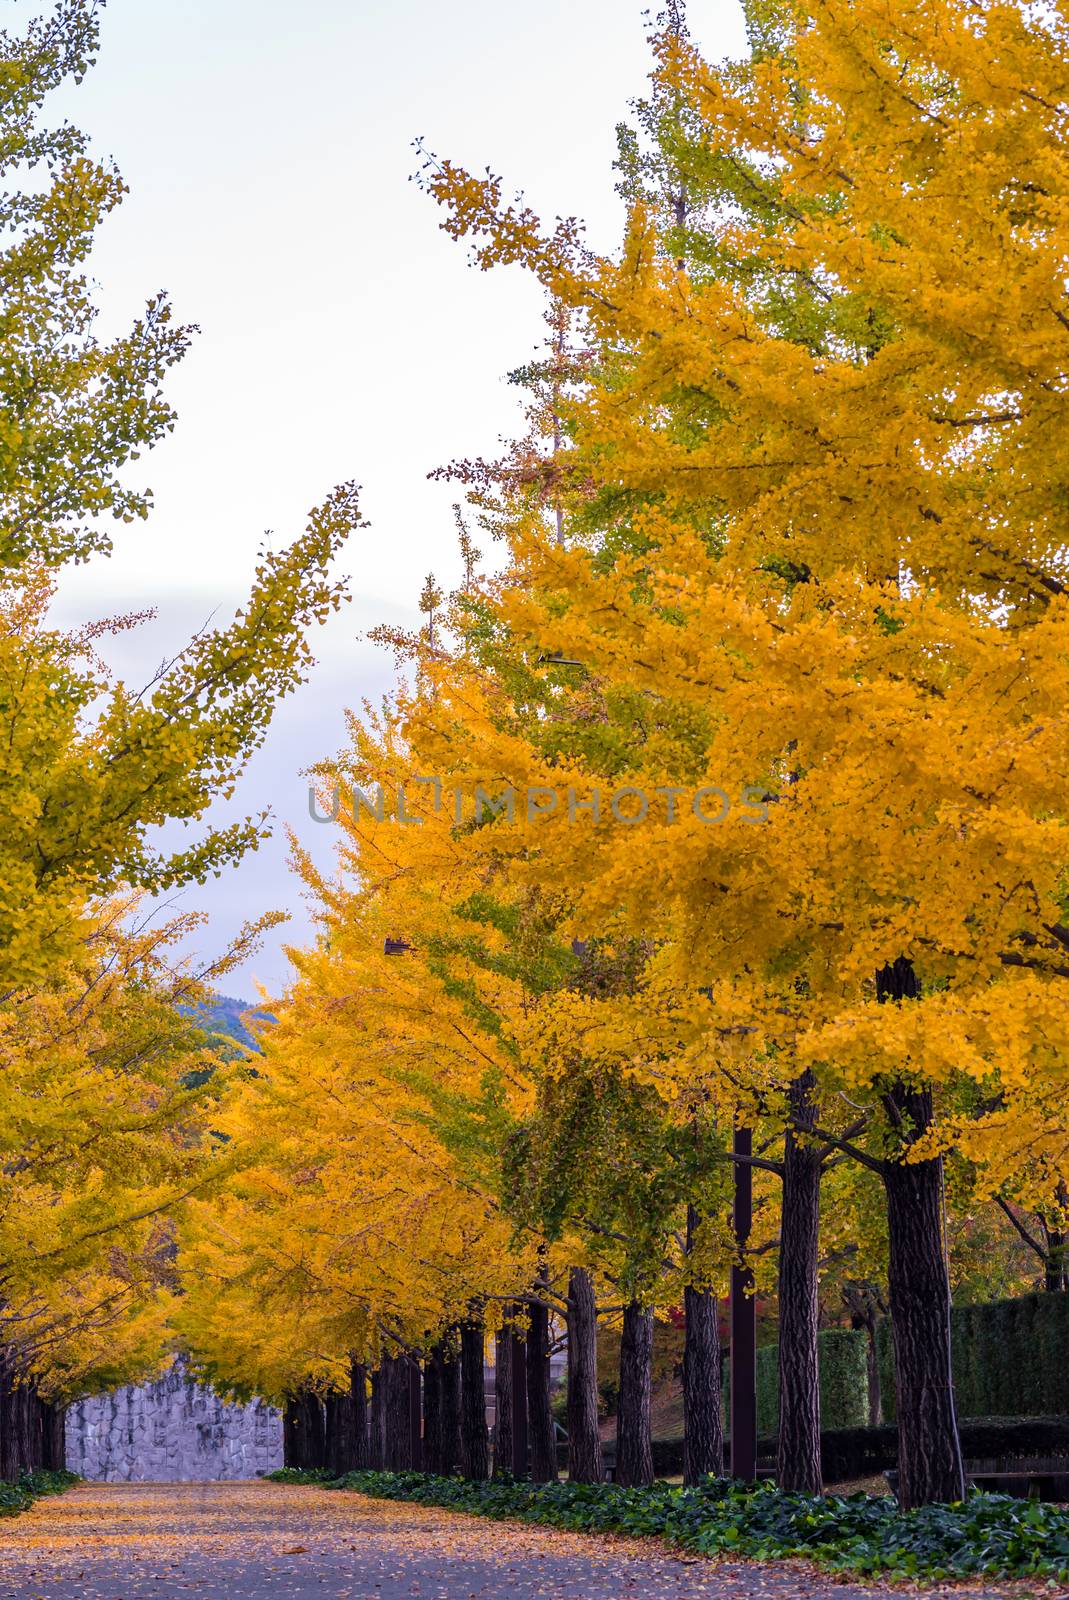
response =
{"points": [[171, 1431]]}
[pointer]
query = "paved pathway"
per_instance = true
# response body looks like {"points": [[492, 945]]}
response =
{"points": [[261, 1541]]}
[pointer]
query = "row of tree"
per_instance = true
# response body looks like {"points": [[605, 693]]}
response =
{"points": [[733, 803], [721, 830]]}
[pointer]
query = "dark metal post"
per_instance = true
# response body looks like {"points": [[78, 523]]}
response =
{"points": [[519, 1407], [743, 1325], [415, 1415]]}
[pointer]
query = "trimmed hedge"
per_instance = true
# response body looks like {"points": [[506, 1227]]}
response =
{"points": [[1011, 1358], [863, 1452], [987, 1536], [844, 1378], [847, 1454], [20, 1496], [842, 1356]]}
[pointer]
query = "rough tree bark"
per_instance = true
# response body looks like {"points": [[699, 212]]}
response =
{"points": [[397, 1454], [21, 1412], [311, 1420], [377, 1441], [503, 1447], [34, 1428], [929, 1449], [450, 1404], [32, 1431], [432, 1412], [360, 1458], [388, 1385], [1054, 1276], [519, 1407], [10, 1452], [415, 1412], [798, 1452], [55, 1437], [23, 1421], [584, 1440], [474, 1445], [542, 1434], [303, 1439], [703, 1421], [634, 1450], [337, 1424], [872, 1372], [292, 1438]]}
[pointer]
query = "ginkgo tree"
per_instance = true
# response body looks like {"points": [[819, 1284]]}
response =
{"points": [[840, 555]]}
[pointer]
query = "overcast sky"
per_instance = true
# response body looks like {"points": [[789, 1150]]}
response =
{"points": [[268, 150]]}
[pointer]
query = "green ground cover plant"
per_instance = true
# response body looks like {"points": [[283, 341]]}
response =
{"points": [[31, 1486], [985, 1536]]}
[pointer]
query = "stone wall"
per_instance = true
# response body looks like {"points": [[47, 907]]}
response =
{"points": [[171, 1431]]}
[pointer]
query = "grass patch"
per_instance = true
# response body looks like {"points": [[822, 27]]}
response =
{"points": [[20, 1496], [987, 1535]]}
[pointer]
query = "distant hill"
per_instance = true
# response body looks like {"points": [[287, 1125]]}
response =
{"points": [[223, 1014]]}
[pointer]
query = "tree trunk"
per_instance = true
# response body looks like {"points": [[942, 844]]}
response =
{"points": [[415, 1413], [302, 1431], [634, 1451], [10, 1444], [929, 1450], [35, 1429], [520, 1462], [55, 1437], [377, 1440], [451, 1452], [22, 1419], [503, 1448], [1054, 1265], [584, 1440], [311, 1420], [865, 1321], [872, 1359], [292, 1436], [360, 1442], [22, 1406], [338, 1429], [42, 1424], [1058, 1247], [332, 1430], [798, 1453], [388, 1377], [432, 1412], [542, 1434], [397, 1454], [742, 1356], [703, 1419], [474, 1445]]}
